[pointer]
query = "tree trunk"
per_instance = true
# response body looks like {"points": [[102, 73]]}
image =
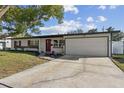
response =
{"points": [[3, 10]]}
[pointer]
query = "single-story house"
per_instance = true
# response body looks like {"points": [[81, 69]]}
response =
{"points": [[85, 44]]}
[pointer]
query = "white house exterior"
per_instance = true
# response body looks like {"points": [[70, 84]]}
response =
{"points": [[85, 44], [46, 44]]}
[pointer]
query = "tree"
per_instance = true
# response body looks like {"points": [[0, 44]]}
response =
{"points": [[78, 31], [3, 10], [117, 36], [92, 30], [110, 29], [20, 20]]}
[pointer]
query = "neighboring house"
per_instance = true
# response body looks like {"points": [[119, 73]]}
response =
{"points": [[2, 44], [118, 47], [5, 43], [85, 44]]}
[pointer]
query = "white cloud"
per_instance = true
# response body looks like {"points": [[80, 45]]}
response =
{"points": [[90, 19], [112, 6], [102, 18], [103, 7], [62, 28], [79, 18], [71, 8], [90, 26]]}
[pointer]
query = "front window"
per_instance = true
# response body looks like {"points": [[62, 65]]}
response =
{"points": [[55, 43], [33, 43], [61, 43], [58, 43], [17, 43]]}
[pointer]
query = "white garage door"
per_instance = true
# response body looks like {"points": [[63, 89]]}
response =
{"points": [[87, 46]]}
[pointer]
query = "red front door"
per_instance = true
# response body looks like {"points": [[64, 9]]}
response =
{"points": [[48, 45]]}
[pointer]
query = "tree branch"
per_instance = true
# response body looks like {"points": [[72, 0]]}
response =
{"points": [[4, 10]]}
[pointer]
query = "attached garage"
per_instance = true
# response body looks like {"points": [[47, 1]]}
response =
{"points": [[88, 45]]}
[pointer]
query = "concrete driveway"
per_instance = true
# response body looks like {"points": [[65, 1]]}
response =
{"points": [[69, 71]]}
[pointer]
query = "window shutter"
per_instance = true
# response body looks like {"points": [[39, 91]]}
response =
{"points": [[28, 42], [15, 43]]}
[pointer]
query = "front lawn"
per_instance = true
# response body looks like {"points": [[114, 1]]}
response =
{"points": [[14, 61], [119, 61]]}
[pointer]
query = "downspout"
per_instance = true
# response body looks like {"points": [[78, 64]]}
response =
{"points": [[111, 44], [123, 47], [39, 46], [4, 43]]}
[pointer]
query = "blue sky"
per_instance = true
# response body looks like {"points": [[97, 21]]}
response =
{"points": [[86, 17]]}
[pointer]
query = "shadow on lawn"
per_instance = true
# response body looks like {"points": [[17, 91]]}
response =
{"points": [[120, 60], [22, 52]]}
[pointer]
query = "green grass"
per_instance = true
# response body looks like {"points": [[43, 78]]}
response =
{"points": [[119, 61], [118, 56], [14, 61]]}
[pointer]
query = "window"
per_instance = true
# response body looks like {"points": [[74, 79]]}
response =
{"points": [[34, 43], [17, 43], [61, 43], [37, 42], [55, 43], [58, 43]]}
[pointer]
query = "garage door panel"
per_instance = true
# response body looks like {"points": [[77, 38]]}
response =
{"points": [[87, 46]]}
